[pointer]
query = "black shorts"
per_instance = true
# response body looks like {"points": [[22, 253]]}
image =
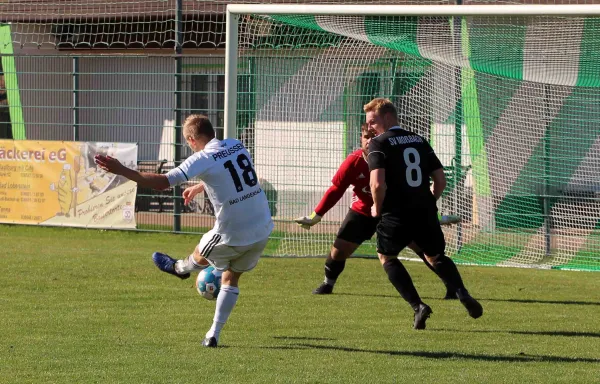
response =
{"points": [[357, 228], [395, 232]]}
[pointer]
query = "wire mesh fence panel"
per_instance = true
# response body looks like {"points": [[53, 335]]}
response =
{"points": [[121, 99]]}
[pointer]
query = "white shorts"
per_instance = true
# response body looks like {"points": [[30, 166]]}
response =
{"points": [[242, 258]]}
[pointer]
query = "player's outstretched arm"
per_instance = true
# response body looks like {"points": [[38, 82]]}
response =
{"points": [[329, 199], [144, 179], [306, 222]]}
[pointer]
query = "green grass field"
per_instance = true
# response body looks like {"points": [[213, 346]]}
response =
{"points": [[88, 306]]}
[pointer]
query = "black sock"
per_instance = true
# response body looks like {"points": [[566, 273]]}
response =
{"points": [[449, 288], [401, 280], [333, 268], [447, 271]]}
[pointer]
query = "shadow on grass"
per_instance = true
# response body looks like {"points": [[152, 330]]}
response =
{"points": [[520, 358], [364, 295], [522, 301], [527, 333], [303, 338], [529, 301]]}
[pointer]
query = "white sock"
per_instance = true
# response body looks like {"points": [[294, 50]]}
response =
{"points": [[188, 265], [225, 303]]}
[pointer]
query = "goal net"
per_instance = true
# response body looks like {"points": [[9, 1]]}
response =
{"points": [[133, 24], [511, 105]]}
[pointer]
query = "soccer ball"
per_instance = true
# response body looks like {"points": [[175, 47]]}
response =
{"points": [[208, 283]]}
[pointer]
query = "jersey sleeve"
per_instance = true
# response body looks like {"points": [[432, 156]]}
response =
{"points": [[343, 177], [376, 157], [193, 166], [330, 198], [433, 161]]}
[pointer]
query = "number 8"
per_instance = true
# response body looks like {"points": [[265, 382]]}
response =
{"points": [[413, 166]]}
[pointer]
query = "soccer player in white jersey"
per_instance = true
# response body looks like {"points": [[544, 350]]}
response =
{"points": [[243, 220]]}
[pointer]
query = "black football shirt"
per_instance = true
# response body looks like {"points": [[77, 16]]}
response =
{"points": [[408, 160]]}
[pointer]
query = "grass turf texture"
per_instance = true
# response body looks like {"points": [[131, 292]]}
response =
{"points": [[88, 306]]}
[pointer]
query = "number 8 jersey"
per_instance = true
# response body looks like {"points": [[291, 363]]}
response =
{"points": [[408, 160], [241, 207]]}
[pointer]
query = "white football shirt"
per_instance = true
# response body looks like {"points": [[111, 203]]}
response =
{"points": [[241, 207]]}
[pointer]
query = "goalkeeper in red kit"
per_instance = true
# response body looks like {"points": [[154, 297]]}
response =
{"points": [[359, 225]]}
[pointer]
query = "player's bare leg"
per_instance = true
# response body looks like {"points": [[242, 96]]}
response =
{"points": [[225, 302], [450, 291], [335, 263], [447, 271], [401, 280], [180, 268]]}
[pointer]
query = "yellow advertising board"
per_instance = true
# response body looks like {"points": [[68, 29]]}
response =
{"points": [[58, 183]]}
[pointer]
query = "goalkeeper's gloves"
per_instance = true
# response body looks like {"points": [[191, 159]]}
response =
{"points": [[448, 219], [307, 222]]}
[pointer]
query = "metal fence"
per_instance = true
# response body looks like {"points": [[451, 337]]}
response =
{"points": [[122, 98]]}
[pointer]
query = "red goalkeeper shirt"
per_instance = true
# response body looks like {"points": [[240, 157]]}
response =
{"points": [[353, 171]]}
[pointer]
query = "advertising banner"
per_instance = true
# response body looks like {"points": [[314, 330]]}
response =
{"points": [[58, 183]]}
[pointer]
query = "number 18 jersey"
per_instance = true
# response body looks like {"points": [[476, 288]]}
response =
{"points": [[241, 207]]}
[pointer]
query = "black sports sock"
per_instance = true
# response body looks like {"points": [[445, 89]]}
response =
{"points": [[333, 268], [401, 280], [449, 288], [447, 271]]}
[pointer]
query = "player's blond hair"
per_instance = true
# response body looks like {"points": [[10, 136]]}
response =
{"points": [[198, 125], [381, 106]]}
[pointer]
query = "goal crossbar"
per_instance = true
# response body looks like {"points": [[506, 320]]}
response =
{"points": [[417, 10]]}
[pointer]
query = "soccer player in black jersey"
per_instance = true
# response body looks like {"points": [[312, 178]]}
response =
{"points": [[401, 164]]}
